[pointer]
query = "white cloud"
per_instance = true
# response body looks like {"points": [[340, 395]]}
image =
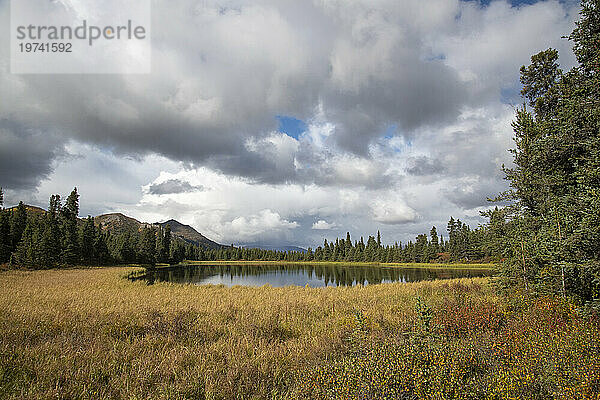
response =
{"points": [[392, 212], [434, 74], [323, 225]]}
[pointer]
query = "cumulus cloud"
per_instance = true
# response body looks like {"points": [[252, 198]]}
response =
{"points": [[405, 106], [423, 165], [254, 226], [235, 210], [222, 72], [323, 225], [392, 212], [172, 186], [26, 155]]}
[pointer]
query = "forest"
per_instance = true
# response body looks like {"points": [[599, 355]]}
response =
{"points": [[59, 238], [530, 331], [547, 239]]}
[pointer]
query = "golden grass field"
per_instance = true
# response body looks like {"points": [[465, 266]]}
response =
{"points": [[90, 334]]}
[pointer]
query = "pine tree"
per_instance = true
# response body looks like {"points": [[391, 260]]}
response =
{"points": [[434, 246], [101, 253], [24, 251], [552, 229], [147, 246], [5, 238], [18, 222], [167, 240], [49, 236], [87, 241], [70, 248]]}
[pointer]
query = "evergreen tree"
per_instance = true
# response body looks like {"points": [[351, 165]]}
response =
{"points": [[178, 252], [18, 221], [101, 253], [5, 238], [87, 241], [147, 246], [552, 229], [167, 240], [434, 246], [70, 247], [49, 236]]}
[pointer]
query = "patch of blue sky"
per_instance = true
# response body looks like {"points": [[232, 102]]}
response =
{"points": [[390, 131], [511, 94], [435, 57], [291, 126], [394, 139]]}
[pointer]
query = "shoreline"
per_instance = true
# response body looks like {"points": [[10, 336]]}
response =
{"points": [[347, 263]]}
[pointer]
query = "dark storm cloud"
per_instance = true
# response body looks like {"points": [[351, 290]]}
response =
{"points": [[202, 108], [424, 93], [421, 166], [26, 155], [173, 186], [223, 70]]}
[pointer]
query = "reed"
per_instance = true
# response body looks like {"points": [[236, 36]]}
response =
{"points": [[89, 333]]}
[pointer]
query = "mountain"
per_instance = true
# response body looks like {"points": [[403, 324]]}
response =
{"points": [[117, 223], [189, 234], [30, 209]]}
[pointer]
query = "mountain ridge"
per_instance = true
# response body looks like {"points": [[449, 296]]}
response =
{"points": [[117, 222], [189, 234]]}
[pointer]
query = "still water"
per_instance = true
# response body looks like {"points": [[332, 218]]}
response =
{"points": [[300, 275]]}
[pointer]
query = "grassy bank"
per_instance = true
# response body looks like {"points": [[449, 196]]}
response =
{"points": [[396, 265], [91, 334]]}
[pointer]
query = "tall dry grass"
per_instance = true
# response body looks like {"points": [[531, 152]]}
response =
{"points": [[90, 333]]}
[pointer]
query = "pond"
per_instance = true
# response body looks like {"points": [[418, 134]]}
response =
{"points": [[312, 275]]}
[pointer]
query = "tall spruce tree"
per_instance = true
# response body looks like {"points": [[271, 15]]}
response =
{"points": [[147, 246], [434, 245], [5, 238], [70, 248], [18, 221], [553, 227], [87, 241], [167, 241]]}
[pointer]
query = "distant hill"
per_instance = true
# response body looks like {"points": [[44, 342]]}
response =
{"points": [[189, 234], [117, 223], [30, 209], [273, 247]]}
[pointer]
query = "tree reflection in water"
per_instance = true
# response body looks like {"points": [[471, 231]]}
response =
{"points": [[313, 275]]}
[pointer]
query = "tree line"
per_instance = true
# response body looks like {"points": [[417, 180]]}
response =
{"points": [[548, 237], [550, 233], [57, 237], [463, 244]]}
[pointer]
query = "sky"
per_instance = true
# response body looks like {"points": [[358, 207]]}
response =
{"points": [[285, 121]]}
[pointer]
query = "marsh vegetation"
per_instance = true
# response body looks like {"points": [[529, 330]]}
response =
{"points": [[90, 333]]}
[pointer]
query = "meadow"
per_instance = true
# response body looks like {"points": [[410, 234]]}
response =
{"points": [[90, 333]]}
